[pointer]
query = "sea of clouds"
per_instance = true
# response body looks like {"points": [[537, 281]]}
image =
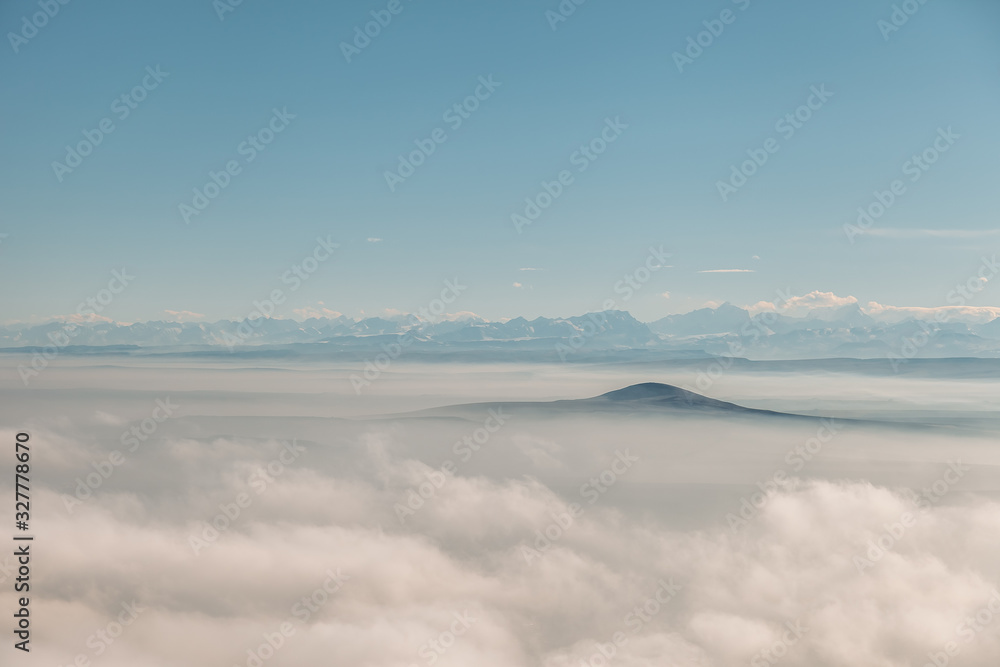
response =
{"points": [[219, 541]]}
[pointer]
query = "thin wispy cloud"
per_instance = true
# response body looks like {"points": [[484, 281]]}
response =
{"points": [[374, 239], [183, 315], [728, 271], [528, 268], [898, 233]]}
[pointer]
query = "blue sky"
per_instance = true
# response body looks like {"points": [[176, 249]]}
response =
{"points": [[656, 184]]}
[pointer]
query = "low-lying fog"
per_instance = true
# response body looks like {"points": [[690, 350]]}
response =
{"points": [[374, 524]]}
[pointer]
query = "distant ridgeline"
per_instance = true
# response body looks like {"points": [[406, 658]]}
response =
{"points": [[730, 331]]}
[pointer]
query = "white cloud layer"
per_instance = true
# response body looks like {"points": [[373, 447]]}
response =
{"points": [[183, 315], [725, 595], [798, 306]]}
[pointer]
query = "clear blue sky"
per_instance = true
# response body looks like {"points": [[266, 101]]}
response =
{"points": [[656, 184]]}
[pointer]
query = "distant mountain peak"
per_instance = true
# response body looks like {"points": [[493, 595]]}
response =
{"points": [[660, 395], [646, 398], [646, 390]]}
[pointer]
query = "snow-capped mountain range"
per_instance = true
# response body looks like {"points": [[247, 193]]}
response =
{"points": [[845, 331]]}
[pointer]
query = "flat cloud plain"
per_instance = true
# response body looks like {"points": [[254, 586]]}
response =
{"points": [[484, 514]]}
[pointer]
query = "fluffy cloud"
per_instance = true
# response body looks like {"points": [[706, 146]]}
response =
{"points": [[963, 313], [319, 310], [799, 305], [183, 315], [453, 583]]}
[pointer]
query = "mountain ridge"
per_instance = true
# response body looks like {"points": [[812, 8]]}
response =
{"points": [[645, 398], [726, 330]]}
